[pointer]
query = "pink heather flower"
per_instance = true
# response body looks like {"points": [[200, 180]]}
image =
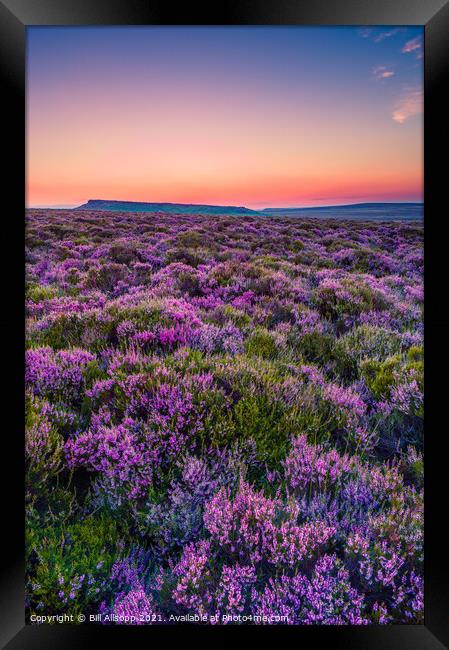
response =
{"points": [[143, 338], [381, 613], [117, 453], [52, 373], [345, 398], [293, 543], [170, 336], [326, 598], [233, 592], [407, 397], [311, 464], [191, 590], [135, 608], [244, 524]]}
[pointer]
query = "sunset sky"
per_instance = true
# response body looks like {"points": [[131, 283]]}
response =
{"points": [[254, 116]]}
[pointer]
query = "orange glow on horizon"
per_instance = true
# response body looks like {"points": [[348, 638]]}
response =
{"points": [[214, 131]]}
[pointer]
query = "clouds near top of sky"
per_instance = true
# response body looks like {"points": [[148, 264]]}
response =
{"points": [[378, 35], [257, 116], [382, 72], [414, 45], [410, 99]]}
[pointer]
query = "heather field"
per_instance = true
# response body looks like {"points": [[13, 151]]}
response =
{"points": [[224, 418]]}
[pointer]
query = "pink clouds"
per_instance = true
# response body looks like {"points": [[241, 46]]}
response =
{"points": [[383, 35], [382, 72], [378, 37], [412, 45], [415, 46], [409, 104]]}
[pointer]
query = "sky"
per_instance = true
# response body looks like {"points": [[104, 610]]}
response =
{"points": [[254, 116]]}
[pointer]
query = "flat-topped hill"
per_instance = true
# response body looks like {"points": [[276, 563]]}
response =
{"points": [[174, 208]]}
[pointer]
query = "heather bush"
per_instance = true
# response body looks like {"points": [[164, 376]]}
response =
{"points": [[327, 598], [269, 423], [224, 416], [368, 341], [43, 446], [70, 563], [316, 347], [261, 344], [37, 293], [380, 375]]}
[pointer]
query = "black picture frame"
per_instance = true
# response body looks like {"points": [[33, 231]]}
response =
{"points": [[15, 17]]}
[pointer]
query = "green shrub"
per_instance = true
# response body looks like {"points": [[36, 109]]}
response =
{"points": [[324, 351], [380, 375], [123, 253], [62, 332], [144, 316], [59, 554], [415, 362], [190, 239], [271, 423], [189, 283], [415, 354], [370, 341], [267, 423], [106, 277], [296, 245], [360, 298], [183, 256], [39, 292], [261, 344], [236, 316], [43, 448], [277, 313], [315, 347]]}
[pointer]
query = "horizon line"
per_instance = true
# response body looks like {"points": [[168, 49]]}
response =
{"points": [[59, 206]]}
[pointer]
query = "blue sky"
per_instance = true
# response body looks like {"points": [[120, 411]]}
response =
{"points": [[252, 115]]}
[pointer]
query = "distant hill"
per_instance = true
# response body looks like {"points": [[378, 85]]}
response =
{"points": [[179, 208], [361, 211]]}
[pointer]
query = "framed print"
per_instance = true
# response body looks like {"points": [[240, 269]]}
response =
{"points": [[224, 324]]}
